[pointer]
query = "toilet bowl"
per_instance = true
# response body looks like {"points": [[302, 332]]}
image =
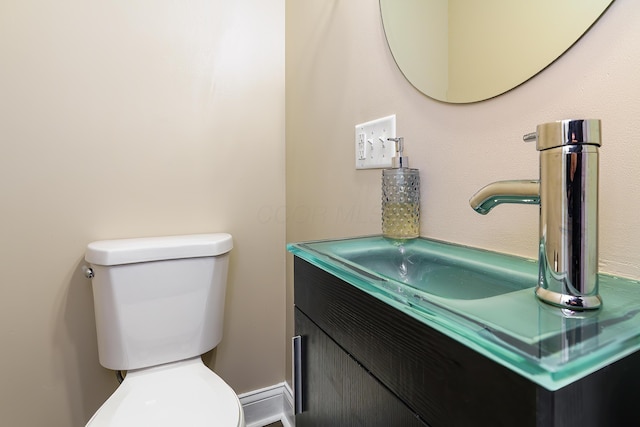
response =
{"points": [[159, 305], [183, 393]]}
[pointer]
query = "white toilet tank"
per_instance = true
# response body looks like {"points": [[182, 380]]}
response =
{"points": [[158, 299]]}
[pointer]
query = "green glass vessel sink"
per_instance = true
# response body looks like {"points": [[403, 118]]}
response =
{"points": [[486, 301], [434, 271]]}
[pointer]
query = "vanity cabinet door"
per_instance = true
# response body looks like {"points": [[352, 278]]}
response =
{"points": [[338, 391]]}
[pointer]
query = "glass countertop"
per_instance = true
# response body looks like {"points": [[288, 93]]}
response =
{"points": [[485, 301]]}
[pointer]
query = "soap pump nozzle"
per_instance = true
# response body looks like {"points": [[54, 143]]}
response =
{"points": [[399, 161]]}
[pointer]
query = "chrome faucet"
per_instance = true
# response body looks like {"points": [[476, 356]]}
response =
{"points": [[567, 193]]}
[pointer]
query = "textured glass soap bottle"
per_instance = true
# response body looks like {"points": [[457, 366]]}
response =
{"points": [[400, 198]]}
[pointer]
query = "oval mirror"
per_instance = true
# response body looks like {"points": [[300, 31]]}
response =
{"points": [[463, 51]]}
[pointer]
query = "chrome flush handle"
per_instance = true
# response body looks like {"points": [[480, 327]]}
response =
{"points": [[88, 272]]}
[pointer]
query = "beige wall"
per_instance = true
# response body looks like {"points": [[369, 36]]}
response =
{"points": [[340, 73], [124, 119]]}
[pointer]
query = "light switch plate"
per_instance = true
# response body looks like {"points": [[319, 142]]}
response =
{"points": [[373, 150]]}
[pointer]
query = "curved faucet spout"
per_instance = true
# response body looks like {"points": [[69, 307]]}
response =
{"points": [[496, 193]]}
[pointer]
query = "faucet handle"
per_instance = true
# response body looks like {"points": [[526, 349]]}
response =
{"points": [[566, 132], [530, 137]]}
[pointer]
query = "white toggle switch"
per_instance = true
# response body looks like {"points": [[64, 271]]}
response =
{"points": [[373, 151]]}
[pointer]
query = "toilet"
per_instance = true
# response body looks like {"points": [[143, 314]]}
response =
{"points": [[159, 305]]}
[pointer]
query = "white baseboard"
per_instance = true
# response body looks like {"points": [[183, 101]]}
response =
{"points": [[288, 419], [268, 405]]}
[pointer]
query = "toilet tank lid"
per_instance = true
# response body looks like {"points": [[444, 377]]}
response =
{"points": [[129, 251]]}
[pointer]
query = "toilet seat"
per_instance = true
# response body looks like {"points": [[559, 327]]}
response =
{"points": [[184, 393]]}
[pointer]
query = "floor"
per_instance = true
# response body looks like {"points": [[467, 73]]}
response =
{"points": [[276, 424]]}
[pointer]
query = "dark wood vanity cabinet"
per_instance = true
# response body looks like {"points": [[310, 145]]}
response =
{"points": [[365, 363]]}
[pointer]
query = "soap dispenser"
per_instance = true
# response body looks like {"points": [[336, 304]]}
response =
{"points": [[400, 197]]}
